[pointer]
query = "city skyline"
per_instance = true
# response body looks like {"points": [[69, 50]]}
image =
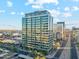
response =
{"points": [[12, 11]]}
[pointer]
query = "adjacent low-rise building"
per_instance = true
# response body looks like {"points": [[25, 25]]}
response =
{"points": [[75, 33]]}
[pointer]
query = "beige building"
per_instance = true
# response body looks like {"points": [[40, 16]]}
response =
{"points": [[66, 34], [75, 33], [58, 30]]}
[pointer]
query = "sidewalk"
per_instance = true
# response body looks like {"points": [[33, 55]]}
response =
{"points": [[51, 55], [66, 52]]}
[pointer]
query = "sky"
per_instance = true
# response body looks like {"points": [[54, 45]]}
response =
{"points": [[12, 11]]}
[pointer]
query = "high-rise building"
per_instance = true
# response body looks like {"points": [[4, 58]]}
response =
{"points": [[61, 27], [63, 23], [37, 28], [58, 29], [57, 32]]}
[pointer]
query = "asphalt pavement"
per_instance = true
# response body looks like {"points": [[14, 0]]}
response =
{"points": [[73, 50], [59, 52]]}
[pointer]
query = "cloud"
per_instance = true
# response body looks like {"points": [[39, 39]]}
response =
{"points": [[22, 13], [2, 11], [37, 6], [73, 0], [57, 14], [76, 0], [67, 8], [29, 2], [54, 12], [17, 13], [75, 8], [55, 20], [13, 13], [72, 8], [9, 3], [39, 3], [66, 14]]}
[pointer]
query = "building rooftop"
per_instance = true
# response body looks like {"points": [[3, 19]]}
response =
{"points": [[37, 13]]}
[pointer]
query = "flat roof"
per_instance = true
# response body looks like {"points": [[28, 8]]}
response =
{"points": [[24, 56]]}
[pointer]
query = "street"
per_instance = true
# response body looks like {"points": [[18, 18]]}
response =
{"points": [[59, 52], [73, 50], [67, 51]]}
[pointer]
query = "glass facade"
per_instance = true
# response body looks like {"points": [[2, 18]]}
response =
{"points": [[37, 30]]}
